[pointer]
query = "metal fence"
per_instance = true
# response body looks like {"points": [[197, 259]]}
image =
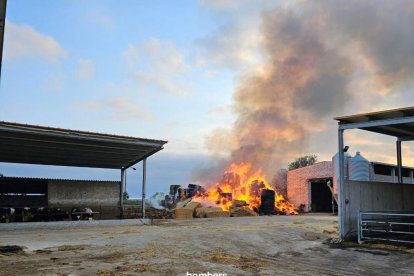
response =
{"points": [[394, 226]]}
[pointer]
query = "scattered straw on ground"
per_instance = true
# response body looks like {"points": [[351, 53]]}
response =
{"points": [[248, 263], [156, 249], [132, 232], [113, 257]]}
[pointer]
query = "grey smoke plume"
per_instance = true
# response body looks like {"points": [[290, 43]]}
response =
{"points": [[314, 50]]}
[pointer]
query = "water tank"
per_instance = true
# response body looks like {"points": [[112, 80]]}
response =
{"points": [[359, 168]]}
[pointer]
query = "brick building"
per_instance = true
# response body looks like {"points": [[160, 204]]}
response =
{"points": [[307, 186]]}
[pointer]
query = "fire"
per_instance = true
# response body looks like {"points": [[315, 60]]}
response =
{"points": [[240, 182]]}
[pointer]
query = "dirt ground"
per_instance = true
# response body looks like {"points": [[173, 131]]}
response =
{"points": [[274, 245]]}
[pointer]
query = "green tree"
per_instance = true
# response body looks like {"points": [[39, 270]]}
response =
{"points": [[125, 196], [303, 161], [1, 175]]}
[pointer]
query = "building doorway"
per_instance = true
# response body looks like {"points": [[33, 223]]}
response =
{"points": [[321, 198]]}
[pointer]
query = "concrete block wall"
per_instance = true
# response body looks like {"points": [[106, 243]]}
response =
{"points": [[374, 196], [100, 196], [298, 179]]}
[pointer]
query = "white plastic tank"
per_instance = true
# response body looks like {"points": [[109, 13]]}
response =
{"points": [[359, 168]]}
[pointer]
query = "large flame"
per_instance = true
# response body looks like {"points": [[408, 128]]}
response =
{"points": [[240, 182]]}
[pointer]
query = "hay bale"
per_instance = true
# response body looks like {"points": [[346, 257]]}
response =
{"points": [[242, 212], [192, 205], [211, 212], [183, 213], [186, 211], [239, 203]]}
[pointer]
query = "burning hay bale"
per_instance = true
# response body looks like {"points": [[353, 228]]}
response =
{"points": [[239, 203], [242, 212]]}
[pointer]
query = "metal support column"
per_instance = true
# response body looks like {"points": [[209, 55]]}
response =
{"points": [[3, 4], [399, 170], [341, 207], [144, 180], [123, 181]]}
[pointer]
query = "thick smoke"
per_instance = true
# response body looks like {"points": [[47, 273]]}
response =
{"points": [[313, 51]]}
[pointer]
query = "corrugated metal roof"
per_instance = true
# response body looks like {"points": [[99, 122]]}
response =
{"points": [[78, 132], [30, 144]]}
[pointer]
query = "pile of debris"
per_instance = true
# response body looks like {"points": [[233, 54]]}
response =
{"points": [[155, 213]]}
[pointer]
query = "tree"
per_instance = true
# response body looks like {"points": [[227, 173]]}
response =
{"points": [[303, 161], [1, 175], [279, 182], [125, 196]]}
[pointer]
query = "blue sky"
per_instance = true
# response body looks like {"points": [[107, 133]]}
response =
{"points": [[170, 69], [123, 67]]}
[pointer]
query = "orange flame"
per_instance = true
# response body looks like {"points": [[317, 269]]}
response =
{"points": [[241, 183]]}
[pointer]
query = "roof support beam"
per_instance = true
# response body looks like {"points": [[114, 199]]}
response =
{"points": [[387, 122], [399, 170], [406, 138], [144, 184], [341, 207], [3, 4], [122, 191]]}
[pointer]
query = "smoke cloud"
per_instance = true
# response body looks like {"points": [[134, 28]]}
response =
{"points": [[314, 52]]}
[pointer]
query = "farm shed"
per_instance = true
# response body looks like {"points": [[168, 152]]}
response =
{"points": [[30, 144], [388, 207]]}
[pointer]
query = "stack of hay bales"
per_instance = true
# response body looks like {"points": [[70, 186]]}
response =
{"points": [[240, 209], [186, 211], [211, 212], [194, 209]]}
